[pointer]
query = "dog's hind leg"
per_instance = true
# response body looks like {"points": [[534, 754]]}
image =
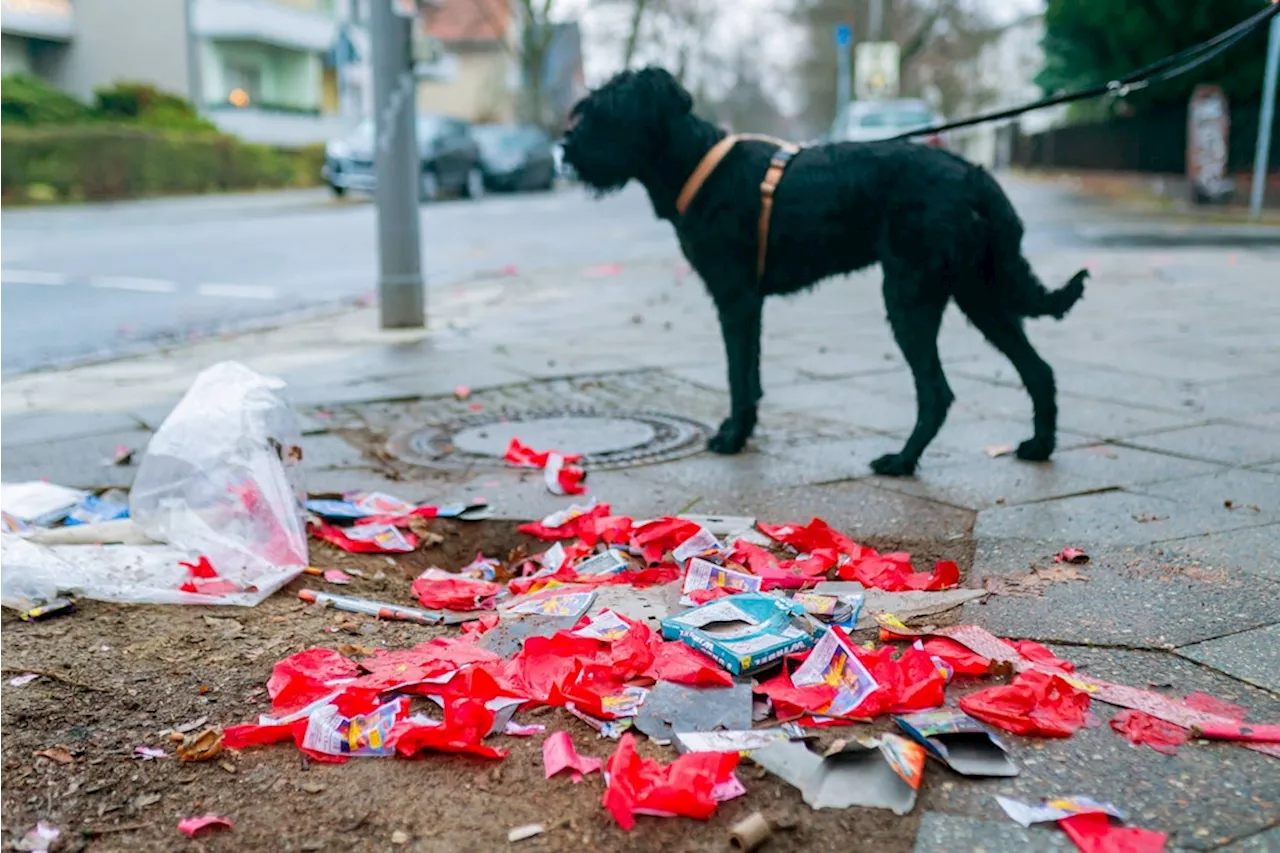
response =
{"points": [[1005, 332], [740, 320], [915, 327]]}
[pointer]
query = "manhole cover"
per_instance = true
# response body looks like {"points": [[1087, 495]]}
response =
{"points": [[612, 440]]}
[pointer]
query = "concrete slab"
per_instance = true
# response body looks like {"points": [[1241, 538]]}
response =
{"points": [[1107, 518], [1267, 841], [37, 429], [1205, 796], [76, 462], [1252, 550], [330, 451], [1229, 444], [1251, 656], [1132, 597], [948, 833], [1250, 495]]}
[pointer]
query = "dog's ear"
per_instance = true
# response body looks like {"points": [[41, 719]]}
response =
{"points": [[663, 91]]}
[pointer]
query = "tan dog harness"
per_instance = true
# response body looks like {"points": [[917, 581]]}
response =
{"points": [[777, 165]]}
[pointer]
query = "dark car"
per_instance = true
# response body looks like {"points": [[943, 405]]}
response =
{"points": [[450, 160], [515, 157]]}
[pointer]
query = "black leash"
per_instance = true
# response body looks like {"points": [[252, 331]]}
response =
{"points": [[1167, 68]]}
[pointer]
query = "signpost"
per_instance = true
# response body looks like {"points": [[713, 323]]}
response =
{"points": [[401, 295], [844, 38], [876, 70]]}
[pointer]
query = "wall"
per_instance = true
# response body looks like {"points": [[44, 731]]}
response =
{"points": [[145, 44], [15, 55], [479, 90]]}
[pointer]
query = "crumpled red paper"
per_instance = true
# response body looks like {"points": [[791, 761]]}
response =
{"points": [[1213, 705], [1038, 654], [655, 538], [1034, 703], [791, 702], [907, 683], [439, 590], [466, 722], [337, 537], [191, 825], [961, 660], [817, 535], [573, 527], [1141, 728], [702, 596], [893, 573], [1093, 832], [562, 476], [304, 677], [558, 754], [676, 662], [389, 670], [202, 578], [685, 787]]}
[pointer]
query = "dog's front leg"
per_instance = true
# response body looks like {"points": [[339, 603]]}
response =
{"points": [[740, 313]]}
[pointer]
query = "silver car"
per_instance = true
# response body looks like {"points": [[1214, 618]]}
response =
{"points": [[869, 121]]}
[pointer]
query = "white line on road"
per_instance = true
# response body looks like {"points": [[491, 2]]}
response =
{"points": [[47, 279], [142, 285], [239, 291]]}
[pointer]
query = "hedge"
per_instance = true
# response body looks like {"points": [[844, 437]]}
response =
{"points": [[98, 161]]}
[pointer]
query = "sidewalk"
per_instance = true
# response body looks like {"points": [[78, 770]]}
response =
{"points": [[1168, 470]]}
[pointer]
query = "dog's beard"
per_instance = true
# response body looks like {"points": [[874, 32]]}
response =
{"points": [[599, 174]]}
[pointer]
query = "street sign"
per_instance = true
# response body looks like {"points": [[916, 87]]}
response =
{"points": [[875, 70], [844, 35]]}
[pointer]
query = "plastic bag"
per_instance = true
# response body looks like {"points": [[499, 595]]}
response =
{"points": [[126, 573], [222, 478]]}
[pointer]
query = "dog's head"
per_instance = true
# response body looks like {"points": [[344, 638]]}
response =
{"points": [[621, 128]]}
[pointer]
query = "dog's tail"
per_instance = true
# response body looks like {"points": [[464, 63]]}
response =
{"points": [[1007, 268], [1032, 299]]}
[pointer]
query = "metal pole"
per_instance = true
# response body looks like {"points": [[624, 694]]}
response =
{"points": [[401, 296], [1266, 115], [876, 23], [844, 38]]}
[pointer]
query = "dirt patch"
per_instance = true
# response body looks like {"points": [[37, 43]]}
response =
{"points": [[135, 672]]}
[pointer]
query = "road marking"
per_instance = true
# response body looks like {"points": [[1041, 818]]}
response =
{"points": [[239, 291], [47, 279], [124, 282]]}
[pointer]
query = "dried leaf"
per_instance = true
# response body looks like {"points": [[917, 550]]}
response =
{"points": [[997, 450], [55, 753], [1147, 518], [1032, 583], [201, 746]]}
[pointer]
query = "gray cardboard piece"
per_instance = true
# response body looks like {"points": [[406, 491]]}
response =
{"points": [[904, 605], [672, 708], [650, 605], [959, 741], [508, 636], [858, 775]]}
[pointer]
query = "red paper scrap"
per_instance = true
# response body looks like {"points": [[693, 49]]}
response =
{"points": [[1071, 555], [685, 787], [1034, 703], [1141, 728], [466, 722], [436, 589], [1093, 832], [558, 754], [1213, 705], [306, 676], [192, 825]]}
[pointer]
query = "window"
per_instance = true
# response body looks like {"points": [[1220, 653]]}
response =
{"points": [[244, 84]]}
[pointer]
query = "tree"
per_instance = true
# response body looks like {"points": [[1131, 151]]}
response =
{"points": [[1092, 41]]}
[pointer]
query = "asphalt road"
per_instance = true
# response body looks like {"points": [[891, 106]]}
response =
{"points": [[96, 280], [89, 281]]}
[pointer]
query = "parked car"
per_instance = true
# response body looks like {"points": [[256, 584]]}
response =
{"points": [[450, 160], [515, 157], [868, 121]]}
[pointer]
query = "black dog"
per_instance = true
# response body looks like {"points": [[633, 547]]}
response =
{"points": [[940, 228]]}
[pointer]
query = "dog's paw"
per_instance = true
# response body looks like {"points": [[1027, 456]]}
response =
{"points": [[729, 439], [894, 465], [1035, 450]]}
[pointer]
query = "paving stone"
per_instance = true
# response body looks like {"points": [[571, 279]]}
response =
{"points": [[330, 451], [76, 462], [1107, 518], [1253, 550], [332, 394], [947, 833], [1205, 796], [1252, 656], [37, 429], [1229, 444], [1267, 841], [984, 482], [1135, 597], [1254, 496]]}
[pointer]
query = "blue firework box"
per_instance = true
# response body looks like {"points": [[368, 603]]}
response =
{"points": [[744, 632]]}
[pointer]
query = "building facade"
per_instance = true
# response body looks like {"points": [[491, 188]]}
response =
{"points": [[282, 72]]}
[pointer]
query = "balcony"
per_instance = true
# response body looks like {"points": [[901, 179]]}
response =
{"points": [[50, 20], [265, 22]]}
